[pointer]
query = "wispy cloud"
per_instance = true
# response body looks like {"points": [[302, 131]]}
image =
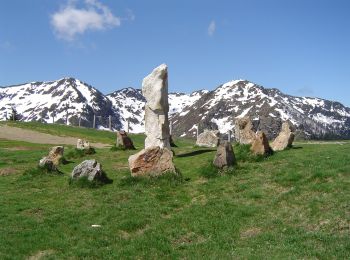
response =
{"points": [[71, 20], [305, 91], [211, 28], [6, 46]]}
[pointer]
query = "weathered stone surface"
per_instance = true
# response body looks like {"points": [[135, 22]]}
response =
{"points": [[152, 161], [124, 141], [209, 138], [90, 169], [225, 156], [48, 164], [260, 145], [155, 90], [284, 139], [53, 159], [83, 144], [244, 133]]}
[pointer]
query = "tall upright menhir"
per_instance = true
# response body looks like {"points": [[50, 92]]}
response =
{"points": [[155, 90]]}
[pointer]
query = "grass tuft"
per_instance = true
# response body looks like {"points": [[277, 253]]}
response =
{"points": [[209, 171], [168, 179], [78, 153]]}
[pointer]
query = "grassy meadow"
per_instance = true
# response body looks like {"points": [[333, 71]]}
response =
{"points": [[294, 204]]}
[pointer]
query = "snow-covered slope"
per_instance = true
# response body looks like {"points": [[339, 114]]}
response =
{"points": [[130, 103], [268, 108], [56, 101]]}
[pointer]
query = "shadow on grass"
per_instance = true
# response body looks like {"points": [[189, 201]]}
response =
{"points": [[84, 182], [194, 153], [296, 147]]}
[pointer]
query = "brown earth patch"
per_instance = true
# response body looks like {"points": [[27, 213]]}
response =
{"points": [[189, 238], [7, 171], [250, 232], [41, 254]]}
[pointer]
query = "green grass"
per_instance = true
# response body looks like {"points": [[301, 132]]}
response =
{"points": [[90, 134], [293, 204]]}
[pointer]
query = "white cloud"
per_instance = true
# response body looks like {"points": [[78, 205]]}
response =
{"points": [[6, 46], [71, 20], [211, 28]]}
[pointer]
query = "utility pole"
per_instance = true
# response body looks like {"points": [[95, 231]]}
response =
{"points": [[197, 131], [229, 136], [171, 127], [79, 120], [128, 125], [53, 119], [94, 122], [110, 122]]}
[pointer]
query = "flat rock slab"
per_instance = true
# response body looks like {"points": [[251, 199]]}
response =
{"points": [[30, 136]]}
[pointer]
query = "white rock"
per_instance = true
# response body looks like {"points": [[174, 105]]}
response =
{"points": [[155, 90]]}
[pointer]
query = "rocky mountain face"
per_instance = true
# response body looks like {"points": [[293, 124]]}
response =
{"points": [[65, 99], [218, 109], [268, 108]]}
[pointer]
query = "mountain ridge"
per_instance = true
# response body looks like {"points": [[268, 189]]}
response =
{"points": [[268, 107]]}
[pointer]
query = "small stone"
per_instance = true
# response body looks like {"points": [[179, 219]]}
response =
{"points": [[53, 159], [96, 226], [284, 139], [209, 138], [244, 133], [225, 156], [260, 145], [90, 169], [83, 144], [124, 141], [153, 161]]}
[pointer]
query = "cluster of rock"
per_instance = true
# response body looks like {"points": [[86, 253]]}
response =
{"points": [[156, 158], [53, 159]]}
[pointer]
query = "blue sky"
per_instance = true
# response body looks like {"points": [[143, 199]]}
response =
{"points": [[301, 47]]}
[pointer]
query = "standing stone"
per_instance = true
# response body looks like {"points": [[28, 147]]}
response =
{"points": [[244, 133], [90, 169], [152, 161], [209, 138], [155, 90], [124, 141], [284, 139], [260, 145], [83, 144], [53, 159], [157, 158], [225, 156]]}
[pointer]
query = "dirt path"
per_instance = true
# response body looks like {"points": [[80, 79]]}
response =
{"points": [[20, 134], [325, 142]]}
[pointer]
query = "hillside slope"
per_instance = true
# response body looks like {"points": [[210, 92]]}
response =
{"points": [[71, 98]]}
